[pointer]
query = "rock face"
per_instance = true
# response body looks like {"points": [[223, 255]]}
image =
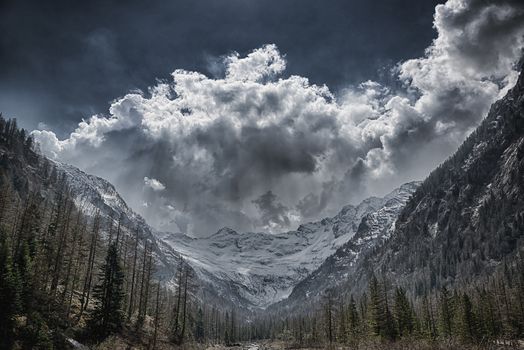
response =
{"points": [[259, 269], [455, 227], [249, 270], [462, 222], [95, 195], [338, 269], [468, 215]]}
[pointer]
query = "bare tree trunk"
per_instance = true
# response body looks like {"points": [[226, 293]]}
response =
{"points": [[110, 229], [118, 232], [84, 301], [75, 277], [176, 315], [148, 281], [61, 247], [184, 312], [70, 263], [131, 295], [141, 295], [157, 314]]}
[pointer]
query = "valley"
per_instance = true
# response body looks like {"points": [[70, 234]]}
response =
{"points": [[258, 175]]}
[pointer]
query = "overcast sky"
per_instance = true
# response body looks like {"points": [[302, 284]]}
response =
{"points": [[254, 114], [64, 60]]}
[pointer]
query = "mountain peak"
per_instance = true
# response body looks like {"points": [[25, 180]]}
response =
{"points": [[225, 231]]}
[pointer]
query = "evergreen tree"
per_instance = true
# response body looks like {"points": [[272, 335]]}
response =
{"points": [[390, 331], [375, 308], [9, 294], [199, 326], [107, 316], [428, 322], [403, 313], [227, 337], [381, 320], [466, 320], [446, 313], [488, 322], [353, 319], [342, 324], [24, 271]]}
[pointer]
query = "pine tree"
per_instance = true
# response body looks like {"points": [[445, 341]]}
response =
{"points": [[227, 336], [342, 324], [376, 307], [107, 316], [403, 313], [381, 320], [24, 270], [353, 319], [328, 316], [488, 322], [9, 294], [88, 278], [467, 322], [199, 326], [446, 313], [157, 315], [390, 331], [428, 321]]}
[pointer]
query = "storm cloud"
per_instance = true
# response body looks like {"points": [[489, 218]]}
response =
{"points": [[272, 213], [255, 149]]}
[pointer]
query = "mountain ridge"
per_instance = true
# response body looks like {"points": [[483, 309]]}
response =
{"points": [[464, 221], [264, 267]]}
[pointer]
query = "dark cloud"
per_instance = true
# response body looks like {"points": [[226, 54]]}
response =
{"points": [[273, 214], [61, 61], [216, 142]]}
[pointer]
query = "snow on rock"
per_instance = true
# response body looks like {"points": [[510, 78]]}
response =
{"points": [[251, 269], [375, 227], [263, 268]]}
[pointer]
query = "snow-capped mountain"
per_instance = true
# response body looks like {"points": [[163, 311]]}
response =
{"points": [[465, 221], [93, 195], [374, 228], [467, 218], [261, 269], [252, 269]]}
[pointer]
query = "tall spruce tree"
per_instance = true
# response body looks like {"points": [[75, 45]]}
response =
{"points": [[381, 320], [376, 307], [445, 313], [199, 326], [353, 319], [467, 320], [403, 313], [9, 294], [107, 317]]}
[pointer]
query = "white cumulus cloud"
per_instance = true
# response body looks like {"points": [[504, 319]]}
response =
{"points": [[254, 149], [154, 184]]}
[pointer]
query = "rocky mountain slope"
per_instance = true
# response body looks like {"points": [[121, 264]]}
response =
{"points": [[338, 269], [467, 217], [249, 270], [95, 195], [260, 269], [463, 222]]}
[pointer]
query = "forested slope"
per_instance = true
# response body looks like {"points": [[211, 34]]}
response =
{"points": [[467, 217], [77, 264], [451, 273]]}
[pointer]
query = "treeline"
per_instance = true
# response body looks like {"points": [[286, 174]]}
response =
{"points": [[65, 274], [484, 314]]}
